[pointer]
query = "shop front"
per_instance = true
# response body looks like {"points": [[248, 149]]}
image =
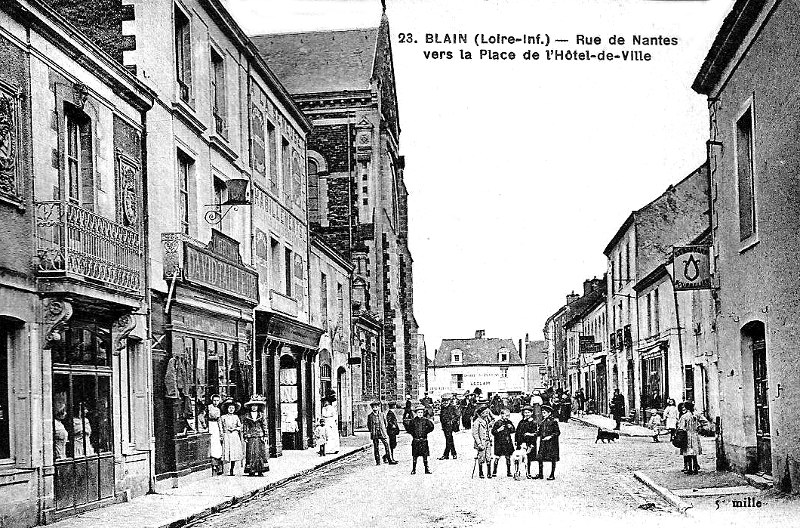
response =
{"points": [[601, 383], [285, 366], [203, 328], [655, 380]]}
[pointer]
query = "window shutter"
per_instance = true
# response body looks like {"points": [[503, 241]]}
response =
{"points": [[257, 154], [87, 167], [186, 43]]}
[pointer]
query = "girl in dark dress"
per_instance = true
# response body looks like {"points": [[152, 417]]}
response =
{"points": [[254, 430], [502, 431], [548, 442]]}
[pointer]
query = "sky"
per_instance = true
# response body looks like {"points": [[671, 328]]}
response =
{"points": [[520, 172]]}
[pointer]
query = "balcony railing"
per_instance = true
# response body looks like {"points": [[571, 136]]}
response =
{"points": [[72, 241], [282, 303]]}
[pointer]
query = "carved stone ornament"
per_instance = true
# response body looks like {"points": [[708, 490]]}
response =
{"points": [[79, 94], [8, 137], [123, 328], [57, 314], [130, 207]]}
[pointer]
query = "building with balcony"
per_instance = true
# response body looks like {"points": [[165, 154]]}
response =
{"points": [[344, 81], [750, 77], [642, 243], [75, 409], [462, 365], [228, 232]]}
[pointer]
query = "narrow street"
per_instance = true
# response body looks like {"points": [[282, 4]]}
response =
{"points": [[594, 481]]}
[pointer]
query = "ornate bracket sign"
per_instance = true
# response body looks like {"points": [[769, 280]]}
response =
{"points": [[123, 327], [691, 268]]}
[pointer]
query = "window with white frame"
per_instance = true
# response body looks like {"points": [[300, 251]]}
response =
{"points": [[502, 355], [456, 356]]}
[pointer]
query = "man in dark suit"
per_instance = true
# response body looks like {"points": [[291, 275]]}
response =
{"points": [[449, 419], [617, 408], [376, 424]]}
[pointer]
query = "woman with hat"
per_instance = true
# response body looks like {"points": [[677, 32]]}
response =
{"points": [[230, 428], [255, 437], [548, 442], [331, 415]]}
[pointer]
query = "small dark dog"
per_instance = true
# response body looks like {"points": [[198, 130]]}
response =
{"points": [[606, 436]]}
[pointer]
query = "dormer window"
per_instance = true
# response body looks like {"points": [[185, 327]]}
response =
{"points": [[502, 356], [456, 356]]}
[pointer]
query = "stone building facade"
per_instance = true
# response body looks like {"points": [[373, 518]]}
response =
{"points": [[750, 76], [344, 81], [642, 243], [75, 411]]}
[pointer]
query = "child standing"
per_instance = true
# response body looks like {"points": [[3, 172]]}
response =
{"points": [[502, 430], [654, 424], [321, 436]]}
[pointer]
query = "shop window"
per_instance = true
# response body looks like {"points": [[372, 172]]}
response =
{"points": [[5, 412]]}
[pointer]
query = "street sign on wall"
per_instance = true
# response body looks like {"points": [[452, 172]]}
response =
{"points": [[691, 268]]}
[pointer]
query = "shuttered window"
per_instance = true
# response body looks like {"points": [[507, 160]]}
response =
{"points": [[183, 55]]}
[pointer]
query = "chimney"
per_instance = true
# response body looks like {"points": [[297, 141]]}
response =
{"points": [[479, 334], [572, 297], [588, 286]]}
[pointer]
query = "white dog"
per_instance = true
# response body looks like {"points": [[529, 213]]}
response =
{"points": [[518, 458]]}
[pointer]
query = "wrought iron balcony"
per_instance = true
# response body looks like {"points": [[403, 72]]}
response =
{"points": [[73, 242]]}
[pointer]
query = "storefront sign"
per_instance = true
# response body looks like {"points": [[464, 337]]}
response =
{"points": [[587, 344], [691, 268]]}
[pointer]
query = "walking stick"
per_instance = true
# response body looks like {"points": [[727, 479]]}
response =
{"points": [[474, 466]]}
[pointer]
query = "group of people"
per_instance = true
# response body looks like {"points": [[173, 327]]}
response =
{"points": [[234, 438], [326, 432], [684, 426], [533, 439], [383, 429]]}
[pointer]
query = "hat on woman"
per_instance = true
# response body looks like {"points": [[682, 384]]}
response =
{"points": [[228, 402], [257, 400], [547, 408]]}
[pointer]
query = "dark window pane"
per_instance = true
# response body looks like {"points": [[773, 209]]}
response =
{"points": [[62, 418]]}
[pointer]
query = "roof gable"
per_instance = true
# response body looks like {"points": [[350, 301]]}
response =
{"points": [[321, 61]]}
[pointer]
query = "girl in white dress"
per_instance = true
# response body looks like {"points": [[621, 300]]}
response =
{"points": [[330, 414]]}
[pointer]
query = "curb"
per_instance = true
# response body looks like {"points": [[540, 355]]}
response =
{"points": [[217, 508], [670, 497]]}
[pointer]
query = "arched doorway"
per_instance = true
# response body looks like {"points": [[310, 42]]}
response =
{"points": [[754, 351], [290, 402]]}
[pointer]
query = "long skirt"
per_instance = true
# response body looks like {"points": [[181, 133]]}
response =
{"points": [[231, 447], [333, 445], [256, 459]]}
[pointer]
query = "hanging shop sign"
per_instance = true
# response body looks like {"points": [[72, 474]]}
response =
{"points": [[691, 268]]}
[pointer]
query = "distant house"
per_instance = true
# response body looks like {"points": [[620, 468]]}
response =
{"points": [[490, 364], [535, 364]]}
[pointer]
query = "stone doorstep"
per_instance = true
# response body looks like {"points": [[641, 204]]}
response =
{"points": [[760, 481], [708, 492]]}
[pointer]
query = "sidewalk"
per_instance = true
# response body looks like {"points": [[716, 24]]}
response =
{"points": [[603, 422], [178, 506]]}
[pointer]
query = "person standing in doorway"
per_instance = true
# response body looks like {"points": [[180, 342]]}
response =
{"points": [[483, 441], [376, 424], [617, 408], [449, 420], [419, 428]]}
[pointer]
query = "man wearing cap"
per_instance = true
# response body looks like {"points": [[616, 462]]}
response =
{"points": [[483, 441], [449, 419], [418, 428], [376, 424]]}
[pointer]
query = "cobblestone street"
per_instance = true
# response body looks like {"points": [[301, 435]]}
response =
{"points": [[594, 481]]}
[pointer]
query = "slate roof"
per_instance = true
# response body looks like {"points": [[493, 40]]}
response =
{"points": [[321, 61], [536, 353], [477, 352]]}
